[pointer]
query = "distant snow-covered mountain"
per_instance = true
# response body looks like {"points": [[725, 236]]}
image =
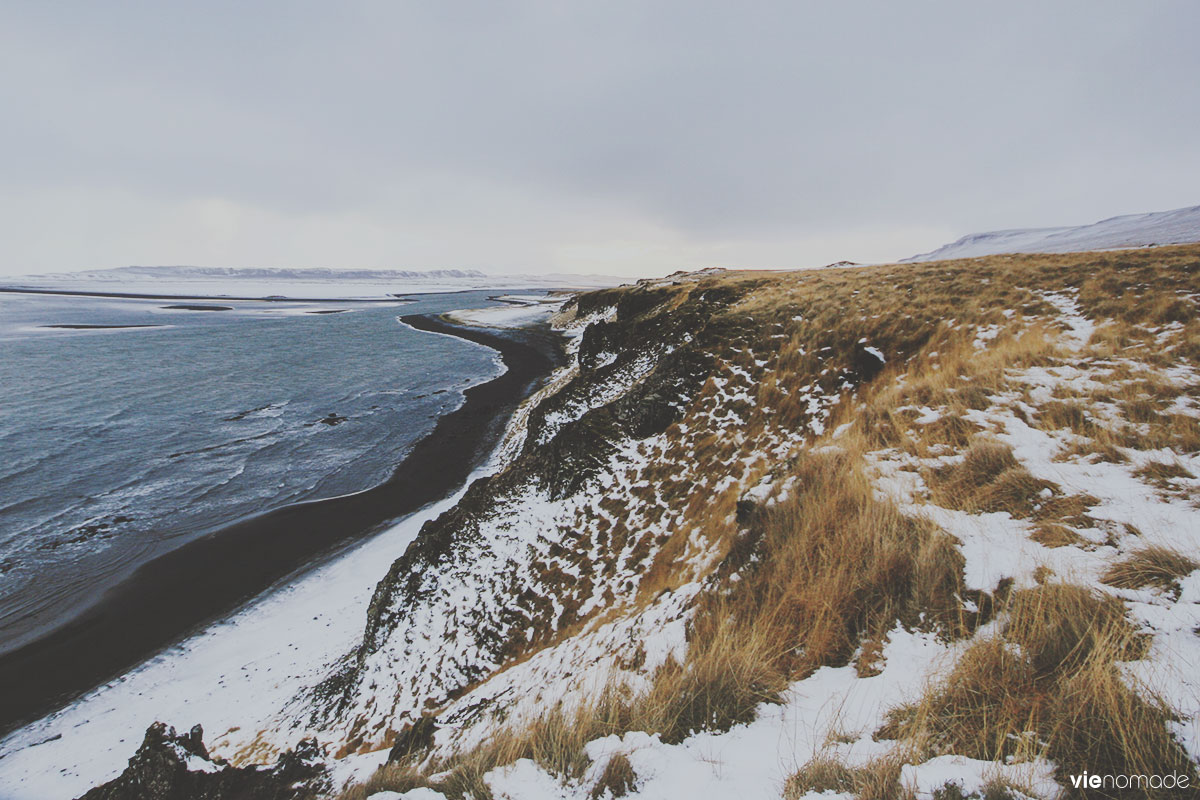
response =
{"points": [[1179, 226], [273, 273]]}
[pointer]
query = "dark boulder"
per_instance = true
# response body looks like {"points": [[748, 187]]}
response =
{"points": [[170, 766], [866, 362]]}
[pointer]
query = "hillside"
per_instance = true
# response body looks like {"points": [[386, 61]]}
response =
{"points": [[1179, 226], [867, 530]]}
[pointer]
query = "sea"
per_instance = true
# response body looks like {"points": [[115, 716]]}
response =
{"points": [[129, 427]]}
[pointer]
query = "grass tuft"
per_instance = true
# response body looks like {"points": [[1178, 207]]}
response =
{"points": [[1060, 625], [989, 479], [1163, 475], [617, 780], [398, 777], [1150, 566], [1070, 415], [1051, 534], [878, 779]]}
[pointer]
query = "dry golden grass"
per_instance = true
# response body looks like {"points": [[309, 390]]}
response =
{"points": [[1059, 625], [833, 566], [821, 774], [989, 479], [728, 673], [1049, 686], [1111, 338], [1101, 448], [1051, 534], [988, 698], [398, 777], [555, 741], [836, 564], [1054, 669], [1163, 475], [1142, 410], [1070, 415], [878, 779], [995, 789], [1150, 566], [1101, 721], [952, 431]]}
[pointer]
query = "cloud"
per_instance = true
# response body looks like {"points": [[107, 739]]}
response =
{"points": [[539, 135]]}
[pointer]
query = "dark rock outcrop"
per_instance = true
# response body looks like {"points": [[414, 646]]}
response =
{"points": [[171, 766], [414, 739]]}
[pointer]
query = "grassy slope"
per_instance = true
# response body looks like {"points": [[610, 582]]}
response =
{"points": [[874, 474]]}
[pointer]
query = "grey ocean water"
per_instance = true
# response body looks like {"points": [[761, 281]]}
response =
{"points": [[118, 444]]}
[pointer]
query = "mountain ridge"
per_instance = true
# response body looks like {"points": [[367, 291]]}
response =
{"points": [[1177, 226], [263, 273]]}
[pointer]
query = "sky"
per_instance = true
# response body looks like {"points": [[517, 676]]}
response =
{"points": [[625, 138]]}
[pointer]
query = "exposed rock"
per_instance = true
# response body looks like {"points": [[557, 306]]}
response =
{"points": [[414, 739], [867, 361], [171, 766]]}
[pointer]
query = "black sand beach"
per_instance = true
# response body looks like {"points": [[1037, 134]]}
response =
{"points": [[172, 596], [85, 327]]}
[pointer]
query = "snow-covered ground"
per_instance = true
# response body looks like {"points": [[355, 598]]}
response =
{"points": [[229, 678], [299, 284], [831, 713], [1179, 226], [522, 310]]}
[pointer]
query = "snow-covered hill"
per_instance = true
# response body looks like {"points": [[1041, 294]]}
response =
{"points": [[1180, 226], [256, 282]]}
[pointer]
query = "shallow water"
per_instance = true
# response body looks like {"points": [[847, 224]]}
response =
{"points": [[120, 443]]}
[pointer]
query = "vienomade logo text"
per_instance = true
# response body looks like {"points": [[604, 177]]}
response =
{"points": [[1092, 781]]}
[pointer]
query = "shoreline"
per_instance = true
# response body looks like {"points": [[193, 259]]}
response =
{"points": [[140, 296], [399, 297], [169, 598]]}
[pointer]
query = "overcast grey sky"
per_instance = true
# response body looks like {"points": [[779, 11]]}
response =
{"points": [[617, 137]]}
